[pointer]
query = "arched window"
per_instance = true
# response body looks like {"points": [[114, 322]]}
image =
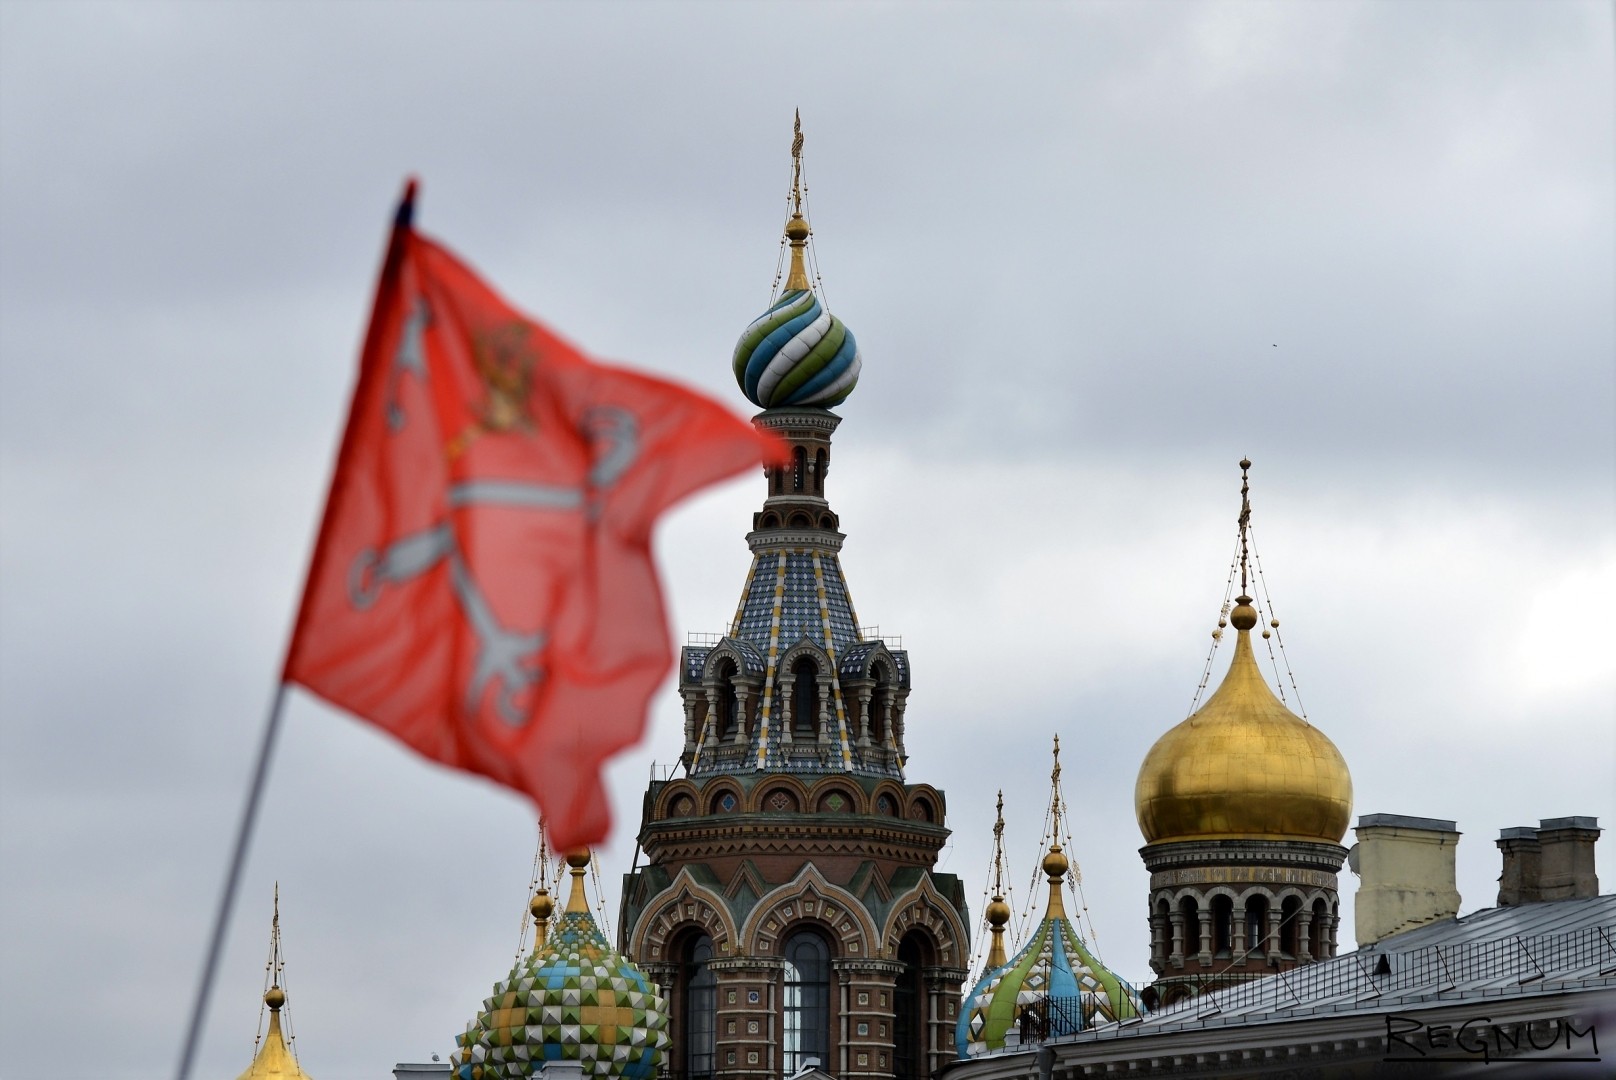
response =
{"points": [[729, 711], [799, 468], [1321, 930], [806, 1003], [699, 1024], [805, 699], [909, 1012], [1257, 924], [1287, 925], [1222, 925], [821, 459]]}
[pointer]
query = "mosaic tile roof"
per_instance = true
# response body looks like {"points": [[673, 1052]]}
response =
{"points": [[1055, 963], [577, 1000]]}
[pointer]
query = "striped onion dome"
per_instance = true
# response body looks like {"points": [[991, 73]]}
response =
{"points": [[576, 1000], [1056, 966], [797, 353]]}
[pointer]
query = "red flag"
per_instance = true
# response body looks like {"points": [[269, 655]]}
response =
{"points": [[483, 586]]}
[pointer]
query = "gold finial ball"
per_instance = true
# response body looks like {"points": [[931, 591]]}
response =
{"points": [[1244, 616], [579, 860], [998, 912], [275, 997], [542, 906], [1055, 864], [797, 228], [1245, 463]]}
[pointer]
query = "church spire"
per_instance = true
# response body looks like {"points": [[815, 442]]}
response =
{"points": [[998, 910], [797, 230]]}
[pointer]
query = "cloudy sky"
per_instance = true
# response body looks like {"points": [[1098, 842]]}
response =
{"points": [[1093, 255]]}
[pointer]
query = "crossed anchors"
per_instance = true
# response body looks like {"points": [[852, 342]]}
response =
{"points": [[504, 656]]}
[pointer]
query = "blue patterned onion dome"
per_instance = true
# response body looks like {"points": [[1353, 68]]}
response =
{"points": [[1056, 964], [797, 353], [577, 999]]}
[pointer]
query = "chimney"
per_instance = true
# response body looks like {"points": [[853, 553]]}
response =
{"points": [[1523, 855], [1406, 865], [1568, 857]]}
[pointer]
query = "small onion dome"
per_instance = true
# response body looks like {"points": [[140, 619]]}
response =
{"points": [[797, 353], [1243, 766], [579, 1000], [274, 1060], [1056, 965]]}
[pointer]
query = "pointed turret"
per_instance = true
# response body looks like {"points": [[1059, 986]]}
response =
{"points": [[275, 1059], [1055, 979]]}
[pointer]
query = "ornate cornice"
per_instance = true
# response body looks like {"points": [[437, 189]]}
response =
{"points": [[765, 539]]}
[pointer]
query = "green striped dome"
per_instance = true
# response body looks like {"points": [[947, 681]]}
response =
{"points": [[797, 353]]}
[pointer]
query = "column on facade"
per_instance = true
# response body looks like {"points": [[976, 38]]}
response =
{"points": [[864, 695], [746, 1042], [825, 699], [865, 1033], [784, 684], [1304, 936], [1158, 941], [1176, 919], [1204, 917], [942, 1015], [1237, 934]]}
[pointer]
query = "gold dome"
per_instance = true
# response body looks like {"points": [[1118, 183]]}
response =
{"points": [[1244, 766]]}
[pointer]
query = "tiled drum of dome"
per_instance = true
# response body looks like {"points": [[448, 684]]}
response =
{"points": [[580, 1001], [797, 353]]}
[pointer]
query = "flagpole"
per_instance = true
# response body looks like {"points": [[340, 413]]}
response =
{"points": [[227, 901]]}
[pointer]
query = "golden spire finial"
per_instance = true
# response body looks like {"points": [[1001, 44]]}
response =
{"points": [[578, 864], [1055, 863], [998, 912], [541, 906], [274, 1057], [797, 227], [1244, 616]]}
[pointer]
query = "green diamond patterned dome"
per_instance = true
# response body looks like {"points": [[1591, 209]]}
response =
{"points": [[576, 999], [1056, 964]]}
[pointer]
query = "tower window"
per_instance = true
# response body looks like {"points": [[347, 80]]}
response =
{"points": [[1222, 925], [821, 460], [1257, 924], [908, 1016], [1287, 925], [701, 1008], [806, 1019], [799, 468], [805, 699]]}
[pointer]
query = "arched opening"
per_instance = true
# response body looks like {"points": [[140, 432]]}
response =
{"points": [[821, 459], [1189, 916], [729, 706], [770, 520], [1320, 930], [1287, 925], [1161, 942], [880, 701], [805, 699], [805, 1003], [1257, 924], [697, 995], [1222, 925], [800, 520], [909, 1060], [799, 468]]}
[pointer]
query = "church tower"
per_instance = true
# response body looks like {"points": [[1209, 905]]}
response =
{"points": [[1243, 807], [789, 907]]}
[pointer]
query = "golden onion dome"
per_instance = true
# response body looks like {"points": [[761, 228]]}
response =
{"points": [[1243, 766]]}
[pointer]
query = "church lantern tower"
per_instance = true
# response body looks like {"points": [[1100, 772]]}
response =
{"points": [[1243, 806], [788, 906]]}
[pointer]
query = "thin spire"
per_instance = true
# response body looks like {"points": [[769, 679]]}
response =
{"points": [[541, 906], [1055, 863], [797, 227], [998, 911], [1245, 526]]}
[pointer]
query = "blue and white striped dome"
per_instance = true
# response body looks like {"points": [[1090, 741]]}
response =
{"points": [[797, 353]]}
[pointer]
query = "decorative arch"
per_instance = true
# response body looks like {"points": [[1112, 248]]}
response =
{"points": [[922, 908], [827, 521], [893, 793], [668, 801], [763, 796], [769, 520], [683, 906], [716, 803], [809, 898], [853, 800], [799, 520]]}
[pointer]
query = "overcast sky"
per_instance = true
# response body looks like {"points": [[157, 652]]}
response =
{"points": [[1093, 255]]}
